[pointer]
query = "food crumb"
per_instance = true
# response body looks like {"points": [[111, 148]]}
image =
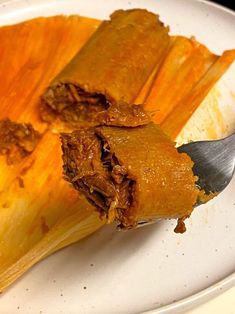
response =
{"points": [[20, 182], [180, 227], [17, 140], [5, 205], [44, 226]]}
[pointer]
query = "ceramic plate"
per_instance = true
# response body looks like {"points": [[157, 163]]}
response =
{"points": [[151, 268]]}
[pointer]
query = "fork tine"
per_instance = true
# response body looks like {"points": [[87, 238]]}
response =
{"points": [[214, 162]]}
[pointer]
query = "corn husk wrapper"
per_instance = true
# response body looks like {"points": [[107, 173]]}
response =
{"points": [[47, 214]]}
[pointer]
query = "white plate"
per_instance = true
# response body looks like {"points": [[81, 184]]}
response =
{"points": [[150, 268]]}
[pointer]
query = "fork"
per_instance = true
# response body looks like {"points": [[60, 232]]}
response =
{"points": [[214, 162], [214, 165]]}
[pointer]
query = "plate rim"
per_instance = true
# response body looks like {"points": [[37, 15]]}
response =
{"points": [[196, 299]]}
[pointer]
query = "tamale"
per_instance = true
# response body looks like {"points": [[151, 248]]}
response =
{"points": [[133, 175], [112, 67]]}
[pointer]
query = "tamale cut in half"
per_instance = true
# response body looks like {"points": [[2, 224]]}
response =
{"points": [[112, 67], [132, 175]]}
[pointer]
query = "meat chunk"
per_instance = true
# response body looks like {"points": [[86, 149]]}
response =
{"points": [[17, 140]]}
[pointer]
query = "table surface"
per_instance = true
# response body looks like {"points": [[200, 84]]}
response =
{"points": [[228, 3], [224, 303]]}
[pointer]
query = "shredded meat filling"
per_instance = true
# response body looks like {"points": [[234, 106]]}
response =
{"points": [[94, 170], [76, 107], [17, 140], [71, 104], [119, 176]]}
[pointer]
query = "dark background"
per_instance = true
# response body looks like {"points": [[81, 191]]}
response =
{"points": [[230, 4]]}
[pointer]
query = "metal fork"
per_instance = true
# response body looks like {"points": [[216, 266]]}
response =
{"points": [[214, 162], [214, 165]]}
